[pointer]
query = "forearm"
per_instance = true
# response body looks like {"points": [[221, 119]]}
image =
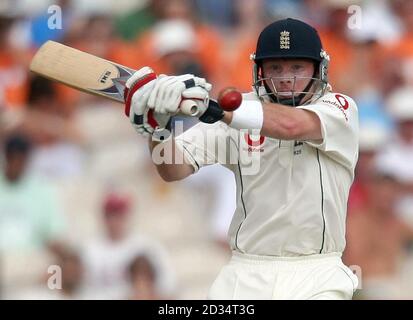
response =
{"points": [[285, 122], [281, 122], [169, 160], [278, 123]]}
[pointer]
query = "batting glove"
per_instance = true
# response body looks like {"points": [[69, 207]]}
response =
{"points": [[137, 92], [208, 109], [166, 95]]}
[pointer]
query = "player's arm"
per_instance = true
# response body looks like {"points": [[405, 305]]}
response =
{"points": [[174, 170], [182, 151], [284, 122], [276, 121], [150, 102]]}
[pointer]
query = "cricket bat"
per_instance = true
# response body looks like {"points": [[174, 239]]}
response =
{"points": [[88, 73]]}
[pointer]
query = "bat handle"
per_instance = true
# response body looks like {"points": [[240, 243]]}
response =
{"points": [[229, 99], [189, 108]]}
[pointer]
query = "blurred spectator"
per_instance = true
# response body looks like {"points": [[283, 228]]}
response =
{"points": [[387, 58], [363, 79], [372, 137], [397, 156], [354, 47], [31, 220], [58, 152], [216, 198], [339, 46], [356, 53], [175, 44], [386, 32], [206, 48], [374, 64], [218, 13], [355, 60], [107, 258], [65, 282], [281, 9], [137, 20], [376, 240], [30, 213], [97, 36], [72, 274], [143, 278], [9, 121], [251, 18], [13, 74], [315, 13], [40, 25], [403, 48]]}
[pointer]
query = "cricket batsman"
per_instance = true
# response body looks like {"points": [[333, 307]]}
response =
{"points": [[287, 234]]}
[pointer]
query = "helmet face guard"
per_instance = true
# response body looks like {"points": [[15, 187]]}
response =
{"points": [[316, 87], [290, 39]]}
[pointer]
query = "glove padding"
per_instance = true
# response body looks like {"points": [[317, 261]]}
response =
{"points": [[167, 94], [151, 101], [208, 110], [199, 96], [138, 89]]}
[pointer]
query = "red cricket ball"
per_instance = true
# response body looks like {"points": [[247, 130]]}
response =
{"points": [[229, 99]]}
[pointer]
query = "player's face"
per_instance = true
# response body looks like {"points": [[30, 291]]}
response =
{"points": [[287, 77]]}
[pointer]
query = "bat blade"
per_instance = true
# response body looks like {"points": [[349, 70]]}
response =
{"points": [[81, 70], [89, 73]]}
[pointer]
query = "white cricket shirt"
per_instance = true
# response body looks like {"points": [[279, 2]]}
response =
{"points": [[291, 195]]}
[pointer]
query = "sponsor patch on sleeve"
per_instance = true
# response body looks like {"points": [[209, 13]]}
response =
{"points": [[339, 101]]}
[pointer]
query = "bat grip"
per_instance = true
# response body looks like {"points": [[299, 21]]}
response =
{"points": [[189, 108]]}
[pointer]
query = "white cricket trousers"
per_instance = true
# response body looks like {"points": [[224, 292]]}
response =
{"points": [[321, 276]]}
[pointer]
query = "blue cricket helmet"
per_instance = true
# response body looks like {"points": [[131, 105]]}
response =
{"points": [[288, 39]]}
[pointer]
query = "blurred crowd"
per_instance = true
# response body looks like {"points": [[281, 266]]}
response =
{"points": [[77, 188]]}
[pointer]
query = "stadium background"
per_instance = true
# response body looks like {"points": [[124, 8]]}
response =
{"points": [[87, 198]]}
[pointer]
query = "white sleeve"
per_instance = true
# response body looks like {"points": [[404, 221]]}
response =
{"points": [[339, 127], [204, 144]]}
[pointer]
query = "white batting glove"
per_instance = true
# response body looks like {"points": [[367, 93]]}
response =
{"points": [[138, 88], [208, 110], [199, 95], [166, 95]]}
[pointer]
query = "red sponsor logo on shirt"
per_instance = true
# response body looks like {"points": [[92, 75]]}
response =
{"points": [[342, 101], [342, 104], [254, 145]]}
